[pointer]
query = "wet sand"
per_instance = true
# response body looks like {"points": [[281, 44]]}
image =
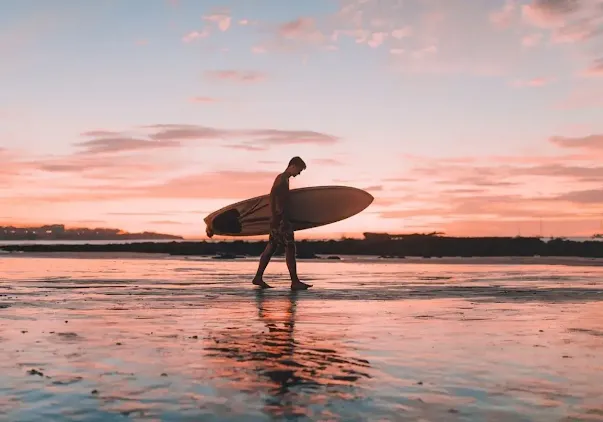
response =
{"points": [[158, 338]]}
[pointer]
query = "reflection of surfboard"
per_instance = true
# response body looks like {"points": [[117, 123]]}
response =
{"points": [[310, 207]]}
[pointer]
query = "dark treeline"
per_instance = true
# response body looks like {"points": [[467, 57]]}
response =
{"points": [[411, 246]]}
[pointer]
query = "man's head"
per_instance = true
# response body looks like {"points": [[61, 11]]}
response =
{"points": [[296, 166]]}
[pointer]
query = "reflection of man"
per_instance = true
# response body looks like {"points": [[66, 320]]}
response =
{"points": [[281, 230]]}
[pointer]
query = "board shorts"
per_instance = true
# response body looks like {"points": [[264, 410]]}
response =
{"points": [[281, 235]]}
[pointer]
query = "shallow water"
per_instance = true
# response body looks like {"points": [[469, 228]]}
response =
{"points": [[177, 339]]}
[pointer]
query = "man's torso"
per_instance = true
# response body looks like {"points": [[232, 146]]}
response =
{"points": [[279, 197]]}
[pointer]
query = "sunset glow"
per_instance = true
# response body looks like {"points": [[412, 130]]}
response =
{"points": [[467, 117]]}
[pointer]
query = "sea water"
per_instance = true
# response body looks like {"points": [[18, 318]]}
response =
{"points": [[175, 339]]}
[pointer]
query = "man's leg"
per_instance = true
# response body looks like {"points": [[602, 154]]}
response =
{"points": [[264, 260], [292, 266]]}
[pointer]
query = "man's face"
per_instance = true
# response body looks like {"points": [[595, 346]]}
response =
{"points": [[295, 170]]}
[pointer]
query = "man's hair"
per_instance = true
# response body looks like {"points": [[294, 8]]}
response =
{"points": [[297, 161]]}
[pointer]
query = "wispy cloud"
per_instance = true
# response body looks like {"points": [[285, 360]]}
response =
{"points": [[221, 18], [596, 68], [327, 162], [503, 17], [301, 29], [248, 76], [203, 100], [591, 142], [194, 35], [532, 83], [115, 145]]}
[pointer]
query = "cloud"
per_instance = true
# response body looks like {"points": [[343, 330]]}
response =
{"points": [[532, 83], [266, 137], [402, 33], [374, 188], [100, 133], [503, 17], [549, 13], [327, 162], [166, 222], [165, 132], [194, 35], [301, 29], [221, 18], [258, 49], [247, 147], [248, 76], [227, 185], [377, 38], [591, 196], [204, 100], [596, 69], [291, 137], [114, 145], [591, 142]]}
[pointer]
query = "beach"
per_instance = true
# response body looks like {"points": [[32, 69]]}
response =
{"points": [[110, 336]]}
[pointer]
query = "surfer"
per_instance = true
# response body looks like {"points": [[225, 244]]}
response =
{"points": [[281, 230]]}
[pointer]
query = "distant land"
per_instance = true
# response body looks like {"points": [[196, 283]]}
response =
{"points": [[60, 232], [432, 245]]}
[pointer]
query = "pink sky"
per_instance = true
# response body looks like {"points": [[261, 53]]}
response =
{"points": [[471, 118]]}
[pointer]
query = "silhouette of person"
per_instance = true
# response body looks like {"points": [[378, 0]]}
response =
{"points": [[281, 230]]}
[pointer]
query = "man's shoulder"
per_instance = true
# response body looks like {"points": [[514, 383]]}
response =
{"points": [[280, 178]]}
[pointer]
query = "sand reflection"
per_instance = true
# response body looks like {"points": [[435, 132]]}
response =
{"points": [[292, 367]]}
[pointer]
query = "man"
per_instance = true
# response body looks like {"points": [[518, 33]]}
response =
{"points": [[281, 230]]}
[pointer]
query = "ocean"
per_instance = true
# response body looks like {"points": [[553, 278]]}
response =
{"points": [[93, 337]]}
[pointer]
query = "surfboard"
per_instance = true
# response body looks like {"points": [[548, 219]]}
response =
{"points": [[310, 207]]}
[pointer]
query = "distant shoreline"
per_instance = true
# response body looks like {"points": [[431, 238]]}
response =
{"points": [[409, 247]]}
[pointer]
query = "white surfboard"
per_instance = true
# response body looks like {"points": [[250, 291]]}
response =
{"points": [[310, 207]]}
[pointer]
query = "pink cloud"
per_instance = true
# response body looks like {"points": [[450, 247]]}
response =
{"points": [[536, 82], [216, 185], [258, 49], [193, 35], [100, 133], [548, 13], [248, 147], [258, 136], [592, 142], [116, 145], [327, 162], [402, 33], [236, 75], [204, 100], [596, 69], [503, 17], [165, 132], [302, 29], [221, 18], [376, 39]]}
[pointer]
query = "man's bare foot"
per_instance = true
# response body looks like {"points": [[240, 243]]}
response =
{"points": [[298, 285], [261, 283]]}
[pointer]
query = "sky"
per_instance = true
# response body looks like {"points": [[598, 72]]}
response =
{"points": [[481, 117]]}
